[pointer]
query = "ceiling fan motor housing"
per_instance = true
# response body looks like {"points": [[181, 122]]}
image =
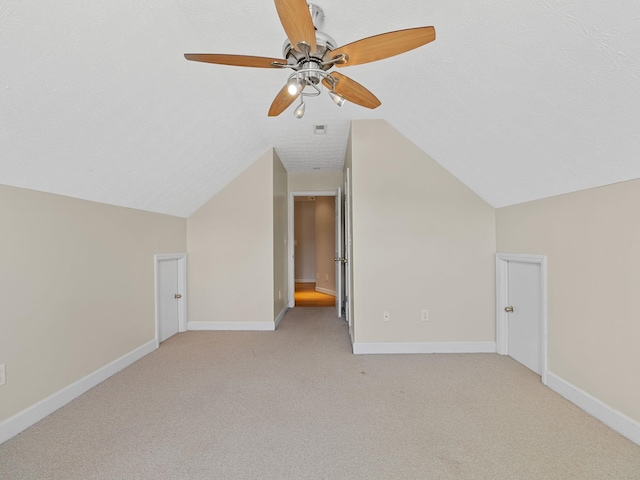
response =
{"points": [[324, 44]]}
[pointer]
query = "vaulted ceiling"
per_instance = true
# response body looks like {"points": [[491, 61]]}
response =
{"points": [[519, 100]]}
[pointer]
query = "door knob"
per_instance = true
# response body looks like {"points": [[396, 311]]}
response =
{"points": [[508, 309], [177, 295]]}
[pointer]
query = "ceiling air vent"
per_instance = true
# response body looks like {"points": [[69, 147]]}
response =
{"points": [[319, 129]]}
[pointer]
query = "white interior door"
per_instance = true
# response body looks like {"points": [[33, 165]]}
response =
{"points": [[347, 252], [168, 298], [339, 249], [525, 319]]}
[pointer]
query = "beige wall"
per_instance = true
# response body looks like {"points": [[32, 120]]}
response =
{"points": [[76, 289], [421, 239], [280, 235], [304, 226], [592, 242], [325, 253], [315, 182], [230, 245]]}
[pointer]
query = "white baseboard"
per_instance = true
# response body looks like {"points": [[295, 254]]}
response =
{"points": [[424, 347], [305, 280], [33, 414], [259, 326], [326, 291], [596, 408], [281, 316]]}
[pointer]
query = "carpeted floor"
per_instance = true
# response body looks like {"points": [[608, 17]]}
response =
{"points": [[296, 404]]}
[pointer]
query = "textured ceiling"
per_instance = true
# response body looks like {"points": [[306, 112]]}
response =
{"points": [[520, 100]]}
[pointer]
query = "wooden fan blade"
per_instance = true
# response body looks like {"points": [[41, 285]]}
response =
{"points": [[283, 100], [384, 45], [236, 60], [298, 25], [353, 91]]}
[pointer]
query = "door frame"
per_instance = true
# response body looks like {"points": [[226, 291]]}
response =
{"points": [[291, 262], [502, 297], [338, 247], [347, 252], [182, 290]]}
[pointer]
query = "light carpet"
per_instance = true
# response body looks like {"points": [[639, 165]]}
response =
{"points": [[297, 404]]}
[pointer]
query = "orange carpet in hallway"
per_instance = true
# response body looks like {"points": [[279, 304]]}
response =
{"points": [[306, 296]]}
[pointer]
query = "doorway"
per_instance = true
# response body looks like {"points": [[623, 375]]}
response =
{"points": [[170, 293], [521, 310], [312, 249]]}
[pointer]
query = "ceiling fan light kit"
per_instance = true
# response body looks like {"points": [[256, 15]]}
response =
{"points": [[312, 53], [337, 98], [294, 87], [299, 112]]}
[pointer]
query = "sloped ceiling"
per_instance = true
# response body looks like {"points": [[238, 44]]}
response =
{"points": [[519, 100]]}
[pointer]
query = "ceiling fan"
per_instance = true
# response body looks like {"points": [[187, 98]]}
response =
{"points": [[311, 53]]}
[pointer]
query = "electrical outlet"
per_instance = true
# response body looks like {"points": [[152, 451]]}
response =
{"points": [[279, 294], [385, 316], [425, 315], [3, 376], [326, 277], [317, 276]]}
